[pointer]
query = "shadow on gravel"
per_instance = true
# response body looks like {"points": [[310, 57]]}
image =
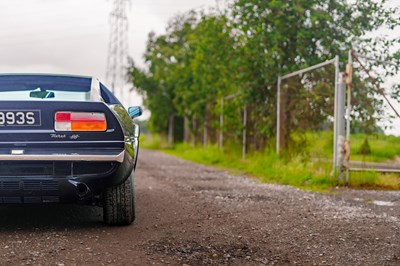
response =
{"points": [[45, 217]]}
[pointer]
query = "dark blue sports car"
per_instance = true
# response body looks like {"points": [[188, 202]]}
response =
{"points": [[67, 139]]}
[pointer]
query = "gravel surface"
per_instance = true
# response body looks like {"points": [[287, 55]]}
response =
{"points": [[189, 214]]}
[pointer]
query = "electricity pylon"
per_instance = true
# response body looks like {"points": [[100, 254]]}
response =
{"points": [[118, 47]]}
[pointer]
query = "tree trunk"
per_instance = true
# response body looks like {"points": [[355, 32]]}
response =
{"points": [[205, 133], [171, 130], [186, 131], [194, 128]]}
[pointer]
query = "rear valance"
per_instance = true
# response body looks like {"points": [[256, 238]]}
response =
{"points": [[99, 155]]}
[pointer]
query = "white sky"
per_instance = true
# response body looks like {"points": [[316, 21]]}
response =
{"points": [[71, 36]]}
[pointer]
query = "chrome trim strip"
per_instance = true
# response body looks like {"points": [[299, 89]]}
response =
{"points": [[64, 157], [61, 142]]}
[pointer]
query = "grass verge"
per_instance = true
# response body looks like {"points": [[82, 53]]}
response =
{"points": [[269, 168]]}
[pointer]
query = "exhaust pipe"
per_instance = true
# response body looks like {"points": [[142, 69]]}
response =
{"points": [[81, 188]]}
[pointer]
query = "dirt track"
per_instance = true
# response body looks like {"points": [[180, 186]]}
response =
{"points": [[191, 214]]}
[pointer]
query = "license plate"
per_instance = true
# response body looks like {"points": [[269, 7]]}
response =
{"points": [[20, 118]]}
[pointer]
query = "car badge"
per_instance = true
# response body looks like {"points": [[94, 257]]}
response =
{"points": [[17, 152]]}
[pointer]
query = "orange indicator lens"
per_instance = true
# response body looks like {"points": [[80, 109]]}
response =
{"points": [[89, 126]]}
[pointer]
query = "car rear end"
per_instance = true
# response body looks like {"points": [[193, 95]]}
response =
{"points": [[55, 151]]}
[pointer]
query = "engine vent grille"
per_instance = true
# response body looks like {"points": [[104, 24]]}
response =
{"points": [[9, 185], [29, 185], [54, 169], [40, 185]]}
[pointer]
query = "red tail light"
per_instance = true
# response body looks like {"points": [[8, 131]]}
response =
{"points": [[80, 121]]}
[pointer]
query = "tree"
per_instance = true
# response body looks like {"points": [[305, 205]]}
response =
{"points": [[284, 36], [242, 50]]}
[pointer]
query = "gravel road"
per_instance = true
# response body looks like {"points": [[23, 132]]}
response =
{"points": [[189, 214]]}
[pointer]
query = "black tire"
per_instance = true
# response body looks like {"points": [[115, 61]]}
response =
{"points": [[119, 204]]}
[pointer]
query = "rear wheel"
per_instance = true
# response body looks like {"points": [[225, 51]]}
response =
{"points": [[119, 206]]}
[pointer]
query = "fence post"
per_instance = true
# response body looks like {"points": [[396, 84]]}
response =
{"points": [[171, 129], [244, 133], [194, 128], [221, 125], [340, 125], [186, 131], [205, 133], [349, 76], [336, 118], [278, 117]]}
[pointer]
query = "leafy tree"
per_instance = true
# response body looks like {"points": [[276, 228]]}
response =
{"points": [[241, 51], [284, 36]]}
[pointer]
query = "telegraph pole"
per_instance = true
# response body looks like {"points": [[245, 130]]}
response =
{"points": [[118, 47]]}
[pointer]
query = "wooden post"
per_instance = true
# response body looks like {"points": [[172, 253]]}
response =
{"points": [[244, 133], [186, 131], [194, 127], [221, 126], [205, 133], [171, 130]]}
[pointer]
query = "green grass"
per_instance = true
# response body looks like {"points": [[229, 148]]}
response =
{"points": [[300, 171], [266, 166], [151, 142], [383, 148]]}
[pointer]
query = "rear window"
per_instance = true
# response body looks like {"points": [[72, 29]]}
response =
{"points": [[44, 88]]}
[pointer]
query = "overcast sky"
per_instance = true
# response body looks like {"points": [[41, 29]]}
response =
{"points": [[71, 36]]}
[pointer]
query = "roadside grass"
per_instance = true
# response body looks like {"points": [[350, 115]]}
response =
{"points": [[266, 166], [151, 141], [300, 171], [383, 148]]}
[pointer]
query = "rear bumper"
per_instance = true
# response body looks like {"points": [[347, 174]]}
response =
{"points": [[39, 190], [51, 190], [85, 189], [64, 178], [104, 156]]}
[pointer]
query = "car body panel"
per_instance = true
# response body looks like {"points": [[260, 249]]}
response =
{"points": [[41, 165]]}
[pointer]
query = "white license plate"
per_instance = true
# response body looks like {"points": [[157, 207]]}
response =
{"points": [[20, 118]]}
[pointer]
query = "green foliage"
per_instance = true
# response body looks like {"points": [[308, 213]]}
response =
{"points": [[152, 141], [241, 51], [299, 171], [266, 166], [365, 148], [320, 145], [383, 148], [364, 180]]}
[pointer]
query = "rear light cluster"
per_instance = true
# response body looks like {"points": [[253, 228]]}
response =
{"points": [[80, 121]]}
